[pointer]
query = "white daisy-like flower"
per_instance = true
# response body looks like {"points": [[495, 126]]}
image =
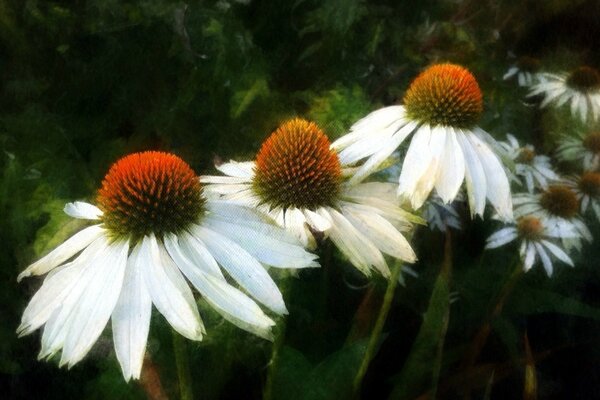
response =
{"points": [[155, 228], [526, 70], [442, 216], [298, 180], [537, 241], [441, 109], [558, 208], [535, 170], [580, 88], [583, 149], [587, 188]]}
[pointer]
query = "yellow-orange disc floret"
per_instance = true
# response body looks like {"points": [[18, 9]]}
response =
{"points": [[560, 201], [444, 94], [296, 168], [150, 192], [530, 227]]}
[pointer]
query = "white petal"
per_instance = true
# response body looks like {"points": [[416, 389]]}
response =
{"points": [[501, 237], [264, 247], [131, 318], [377, 120], [97, 303], [498, 187], [452, 169], [389, 146], [529, 257], [49, 297], [82, 210], [558, 253], [243, 268], [231, 303], [361, 252], [195, 250], [62, 253], [545, 258], [316, 222], [169, 291], [382, 233], [237, 169], [420, 165]]}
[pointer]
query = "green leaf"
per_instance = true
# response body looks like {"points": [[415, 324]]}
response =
{"points": [[243, 99], [297, 379], [425, 356], [536, 301]]}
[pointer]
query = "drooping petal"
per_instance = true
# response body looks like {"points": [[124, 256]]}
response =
{"points": [[231, 303], [474, 177], [131, 318], [264, 247], [97, 303], [169, 291], [244, 268], [62, 253], [452, 169]]}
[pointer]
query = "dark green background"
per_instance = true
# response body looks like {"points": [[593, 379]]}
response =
{"points": [[84, 82]]}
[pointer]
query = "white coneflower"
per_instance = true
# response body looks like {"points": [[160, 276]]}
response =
{"points": [[442, 216], [526, 70], [441, 108], [580, 88], [154, 228], [536, 242], [535, 170], [298, 180], [583, 149], [558, 208], [587, 188]]}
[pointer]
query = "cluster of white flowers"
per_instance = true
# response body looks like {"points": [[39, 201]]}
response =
{"points": [[158, 228]]}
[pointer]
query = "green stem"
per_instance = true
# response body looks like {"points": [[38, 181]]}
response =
{"points": [[484, 330], [378, 328], [447, 272], [183, 367]]}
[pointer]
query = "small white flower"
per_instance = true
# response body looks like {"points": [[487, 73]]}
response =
{"points": [[583, 149], [441, 108], [537, 241], [587, 188], [534, 170], [298, 180], [580, 88], [558, 209], [526, 70], [154, 228]]}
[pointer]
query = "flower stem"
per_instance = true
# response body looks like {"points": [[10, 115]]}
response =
{"points": [[183, 367], [484, 330], [378, 328]]}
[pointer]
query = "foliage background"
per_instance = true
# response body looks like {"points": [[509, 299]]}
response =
{"points": [[84, 82]]}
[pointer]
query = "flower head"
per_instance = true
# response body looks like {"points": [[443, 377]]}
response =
{"points": [[580, 88], [153, 228], [558, 209], [587, 188], [537, 241], [533, 170], [296, 168], [526, 70], [298, 180], [444, 94], [441, 109], [583, 149]]}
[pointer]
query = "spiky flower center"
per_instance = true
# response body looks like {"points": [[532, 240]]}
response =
{"points": [[150, 192], [528, 64], [525, 156], [444, 94], [592, 142], [560, 201], [530, 227], [584, 79], [296, 168], [589, 184]]}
